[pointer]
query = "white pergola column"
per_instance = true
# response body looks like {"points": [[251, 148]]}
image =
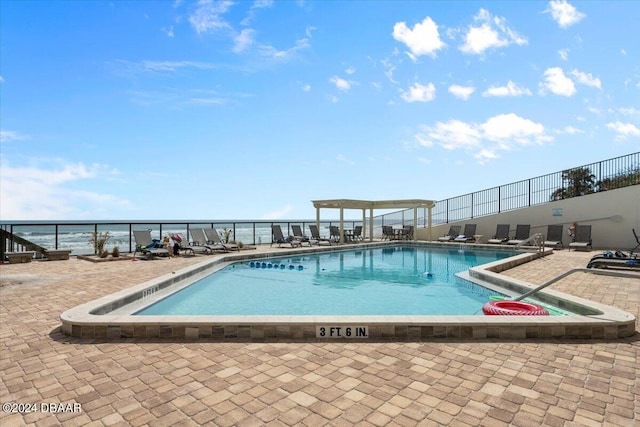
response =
{"points": [[341, 225], [415, 224], [371, 224], [429, 224]]}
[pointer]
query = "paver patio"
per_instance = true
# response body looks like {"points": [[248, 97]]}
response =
{"points": [[441, 382]]}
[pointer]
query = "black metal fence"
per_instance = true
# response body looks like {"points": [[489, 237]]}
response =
{"points": [[605, 175]]}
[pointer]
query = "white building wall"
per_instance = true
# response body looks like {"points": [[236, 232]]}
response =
{"points": [[611, 214]]}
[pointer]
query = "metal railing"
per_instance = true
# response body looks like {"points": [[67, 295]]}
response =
{"points": [[605, 175], [18, 236]]}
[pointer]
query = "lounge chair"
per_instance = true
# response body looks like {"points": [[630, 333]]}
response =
{"points": [[147, 245], [582, 238], [637, 241], [334, 233], [554, 236], [200, 242], [406, 232], [299, 236], [454, 231], [279, 238], [467, 235], [614, 255], [356, 234], [614, 260], [214, 239], [388, 233], [501, 236], [315, 235], [522, 234]]}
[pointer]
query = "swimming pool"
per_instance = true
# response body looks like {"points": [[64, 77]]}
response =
{"points": [[111, 316], [399, 280]]}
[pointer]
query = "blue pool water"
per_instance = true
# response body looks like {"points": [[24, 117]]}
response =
{"points": [[403, 280]]}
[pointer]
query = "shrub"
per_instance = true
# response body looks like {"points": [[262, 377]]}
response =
{"points": [[98, 241], [116, 252]]}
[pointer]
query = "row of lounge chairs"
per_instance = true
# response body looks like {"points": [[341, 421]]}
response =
{"points": [[203, 241], [404, 233], [581, 239], [468, 236], [298, 237]]}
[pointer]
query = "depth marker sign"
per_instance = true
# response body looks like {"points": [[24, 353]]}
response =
{"points": [[342, 332]]}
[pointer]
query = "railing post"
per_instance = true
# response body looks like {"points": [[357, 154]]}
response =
{"points": [[56, 238], [130, 234], [499, 198], [529, 191]]}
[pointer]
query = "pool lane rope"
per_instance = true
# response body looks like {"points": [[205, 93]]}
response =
{"points": [[276, 266]]}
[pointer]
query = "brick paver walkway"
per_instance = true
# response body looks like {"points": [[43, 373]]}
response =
{"points": [[443, 382]]}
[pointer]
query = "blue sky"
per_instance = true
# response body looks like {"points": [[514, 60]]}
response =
{"points": [[250, 110]]}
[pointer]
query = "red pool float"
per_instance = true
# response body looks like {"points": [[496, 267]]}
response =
{"points": [[513, 308]]}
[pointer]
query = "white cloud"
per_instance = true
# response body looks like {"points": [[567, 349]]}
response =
{"points": [[629, 111], [557, 82], [166, 66], [511, 89], [423, 39], [569, 130], [492, 32], [306, 88], [462, 92], [9, 135], [453, 134], [509, 128], [208, 17], [44, 192], [342, 158], [586, 79], [624, 130], [342, 84], [350, 70], [564, 14], [564, 54], [420, 93], [272, 52], [244, 40], [389, 69], [499, 133], [169, 31], [279, 214]]}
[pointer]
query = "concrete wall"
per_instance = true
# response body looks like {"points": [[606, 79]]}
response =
{"points": [[611, 214]]}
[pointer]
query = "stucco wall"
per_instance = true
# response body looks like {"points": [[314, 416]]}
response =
{"points": [[611, 214]]}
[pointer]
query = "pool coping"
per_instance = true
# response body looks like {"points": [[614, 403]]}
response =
{"points": [[92, 321]]}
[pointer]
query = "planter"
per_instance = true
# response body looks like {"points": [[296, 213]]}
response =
{"points": [[96, 258]]}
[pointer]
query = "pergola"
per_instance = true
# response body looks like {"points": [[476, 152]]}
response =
{"points": [[363, 205]]}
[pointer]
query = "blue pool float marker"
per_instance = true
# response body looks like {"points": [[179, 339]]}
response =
{"points": [[300, 268], [269, 265], [282, 266], [252, 264], [264, 265], [291, 267], [428, 274]]}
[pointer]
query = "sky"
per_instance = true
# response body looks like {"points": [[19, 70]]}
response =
{"points": [[180, 110]]}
